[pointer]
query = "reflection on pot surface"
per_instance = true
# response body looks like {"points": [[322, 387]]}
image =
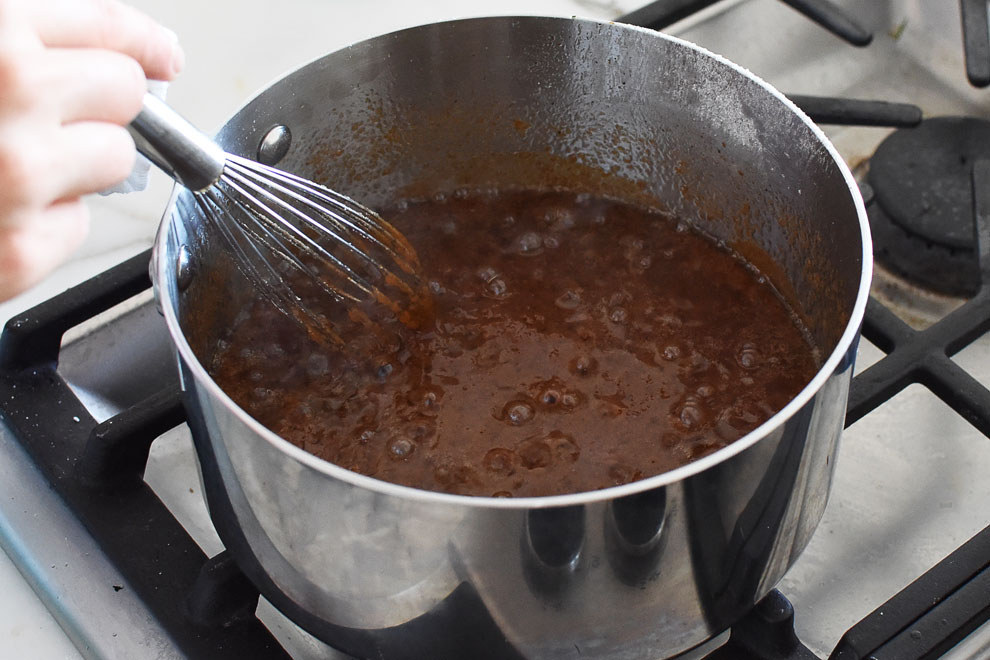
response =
{"points": [[634, 534]]}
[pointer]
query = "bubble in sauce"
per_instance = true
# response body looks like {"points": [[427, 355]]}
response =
{"points": [[741, 416], [583, 365], [500, 461], [559, 218], [551, 242], [518, 412], [529, 244], [632, 249], [691, 414], [550, 397], [497, 288], [563, 448], [400, 448], [429, 399], [672, 352], [748, 357], [487, 273], [569, 299], [618, 315], [534, 453], [421, 432], [382, 373], [618, 298]]}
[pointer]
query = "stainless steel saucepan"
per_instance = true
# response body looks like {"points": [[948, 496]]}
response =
{"points": [[644, 570]]}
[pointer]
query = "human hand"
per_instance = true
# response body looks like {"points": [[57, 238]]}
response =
{"points": [[72, 74]]}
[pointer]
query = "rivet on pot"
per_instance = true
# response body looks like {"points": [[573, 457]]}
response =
{"points": [[184, 268], [274, 145]]}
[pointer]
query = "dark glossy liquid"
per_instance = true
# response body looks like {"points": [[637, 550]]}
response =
{"points": [[576, 344]]}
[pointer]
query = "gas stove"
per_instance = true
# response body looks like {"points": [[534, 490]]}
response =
{"points": [[101, 506]]}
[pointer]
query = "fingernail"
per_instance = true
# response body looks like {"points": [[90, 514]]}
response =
{"points": [[178, 55]]}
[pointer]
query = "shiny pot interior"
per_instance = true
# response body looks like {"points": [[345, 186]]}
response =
{"points": [[586, 106]]}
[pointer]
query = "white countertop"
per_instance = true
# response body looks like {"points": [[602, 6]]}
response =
{"points": [[233, 49]]}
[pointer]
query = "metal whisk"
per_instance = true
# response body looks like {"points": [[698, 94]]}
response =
{"points": [[286, 233]]}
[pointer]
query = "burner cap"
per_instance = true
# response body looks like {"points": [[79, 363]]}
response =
{"points": [[922, 216]]}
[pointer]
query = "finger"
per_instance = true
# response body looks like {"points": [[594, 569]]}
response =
{"points": [[30, 252], [89, 157], [38, 168], [89, 84], [112, 25]]}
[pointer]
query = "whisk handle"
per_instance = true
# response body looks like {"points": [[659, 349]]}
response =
{"points": [[176, 146]]}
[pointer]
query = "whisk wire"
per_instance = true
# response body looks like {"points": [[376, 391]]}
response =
{"points": [[345, 229], [289, 233], [291, 238], [259, 269], [336, 216], [245, 249], [335, 206]]}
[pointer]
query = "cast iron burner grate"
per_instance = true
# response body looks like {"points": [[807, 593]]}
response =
{"points": [[922, 211]]}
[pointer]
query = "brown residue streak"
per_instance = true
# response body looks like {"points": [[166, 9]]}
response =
{"points": [[521, 170], [521, 126]]}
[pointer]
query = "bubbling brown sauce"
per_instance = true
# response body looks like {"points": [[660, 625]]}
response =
{"points": [[576, 343]]}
